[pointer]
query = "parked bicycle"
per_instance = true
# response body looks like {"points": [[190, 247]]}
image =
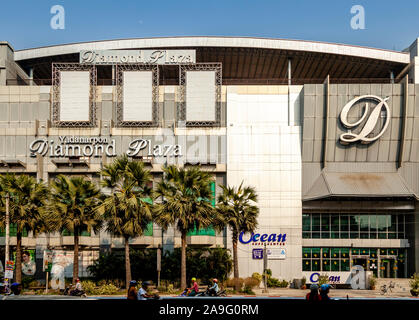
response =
{"points": [[387, 288]]}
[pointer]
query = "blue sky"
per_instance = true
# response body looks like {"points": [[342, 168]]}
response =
{"points": [[388, 24]]}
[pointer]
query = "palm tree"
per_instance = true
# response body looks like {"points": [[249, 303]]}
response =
{"points": [[27, 201], [237, 212], [185, 203], [74, 199], [127, 210]]}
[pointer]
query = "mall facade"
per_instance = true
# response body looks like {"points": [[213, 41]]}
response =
{"points": [[328, 134]]}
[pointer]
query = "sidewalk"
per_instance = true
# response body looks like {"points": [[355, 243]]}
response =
{"points": [[338, 293]]}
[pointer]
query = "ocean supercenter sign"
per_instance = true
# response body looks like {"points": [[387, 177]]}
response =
{"points": [[70, 146], [137, 56]]}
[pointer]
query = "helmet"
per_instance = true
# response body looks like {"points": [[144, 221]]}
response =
{"points": [[324, 287], [314, 287], [215, 280], [193, 279], [77, 279], [146, 283], [133, 282]]}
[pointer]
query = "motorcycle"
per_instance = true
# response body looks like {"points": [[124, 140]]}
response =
{"points": [[207, 293], [75, 293]]}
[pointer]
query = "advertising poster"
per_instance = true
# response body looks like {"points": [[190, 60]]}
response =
{"points": [[28, 261]]}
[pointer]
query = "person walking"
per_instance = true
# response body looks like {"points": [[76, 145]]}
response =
{"points": [[132, 290], [313, 295]]}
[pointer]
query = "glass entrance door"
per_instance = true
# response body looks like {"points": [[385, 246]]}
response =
{"points": [[388, 268]]}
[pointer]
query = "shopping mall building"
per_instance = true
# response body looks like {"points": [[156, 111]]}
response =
{"points": [[328, 134]]}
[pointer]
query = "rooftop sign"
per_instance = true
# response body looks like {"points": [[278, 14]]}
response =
{"points": [[137, 56]]}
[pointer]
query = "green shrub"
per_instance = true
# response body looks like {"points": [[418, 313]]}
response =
{"points": [[251, 282], [248, 290], [372, 281], [414, 283], [107, 289], [89, 287], [257, 276]]}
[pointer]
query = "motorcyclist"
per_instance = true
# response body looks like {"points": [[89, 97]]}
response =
{"points": [[324, 290], [132, 290], [194, 290], [78, 289], [214, 289]]}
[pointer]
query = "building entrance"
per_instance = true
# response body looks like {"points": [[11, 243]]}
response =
{"points": [[388, 268]]}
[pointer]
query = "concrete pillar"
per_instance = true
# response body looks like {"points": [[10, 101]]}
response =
{"points": [[6, 55]]}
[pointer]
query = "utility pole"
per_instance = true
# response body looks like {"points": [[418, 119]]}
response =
{"points": [[7, 229], [265, 267], [7, 256]]}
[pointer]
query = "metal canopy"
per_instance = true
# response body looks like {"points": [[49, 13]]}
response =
{"points": [[358, 184], [252, 66]]}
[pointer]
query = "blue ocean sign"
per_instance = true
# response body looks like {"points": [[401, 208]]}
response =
{"points": [[263, 237]]}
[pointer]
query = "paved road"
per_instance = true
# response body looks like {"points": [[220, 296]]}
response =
{"points": [[168, 298]]}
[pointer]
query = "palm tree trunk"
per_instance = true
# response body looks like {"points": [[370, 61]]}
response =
{"points": [[19, 257], [236, 263], [76, 255], [127, 263], [183, 262]]}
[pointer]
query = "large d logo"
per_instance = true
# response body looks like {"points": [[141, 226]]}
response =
{"points": [[369, 125]]}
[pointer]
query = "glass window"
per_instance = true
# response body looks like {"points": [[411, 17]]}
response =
{"points": [[306, 222], [383, 252], [326, 265], [392, 235], [373, 223], [315, 265], [335, 265], [326, 252], [392, 223], [306, 235], [364, 251], [315, 235], [400, 226], [364, 223], [325, 222], [334, 222], [335, 253], [382, 223], [382, 235], [354, 222], [315, 253], [373, 253], [364, 235], [306, 265], [344, 235], [355, 251], [392, 252], [344, 223], [344, 265], [306, 253], [344, 253], [315, 220]]}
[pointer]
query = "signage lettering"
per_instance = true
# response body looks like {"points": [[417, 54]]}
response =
{"points": [[370, 123], [96, 146], [314, 278], [137, 56], [264, 237]]}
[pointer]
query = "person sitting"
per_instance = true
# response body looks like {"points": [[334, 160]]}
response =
{"points": [[324, 291], [313, 295], [15, 288], [194, 290], [142, 293], [132, 290], [214, 289], [78, 289]]}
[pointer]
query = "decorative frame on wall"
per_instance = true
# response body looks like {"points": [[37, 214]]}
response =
{"points": [[120, 68], [57, 68], [181, 110]]}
